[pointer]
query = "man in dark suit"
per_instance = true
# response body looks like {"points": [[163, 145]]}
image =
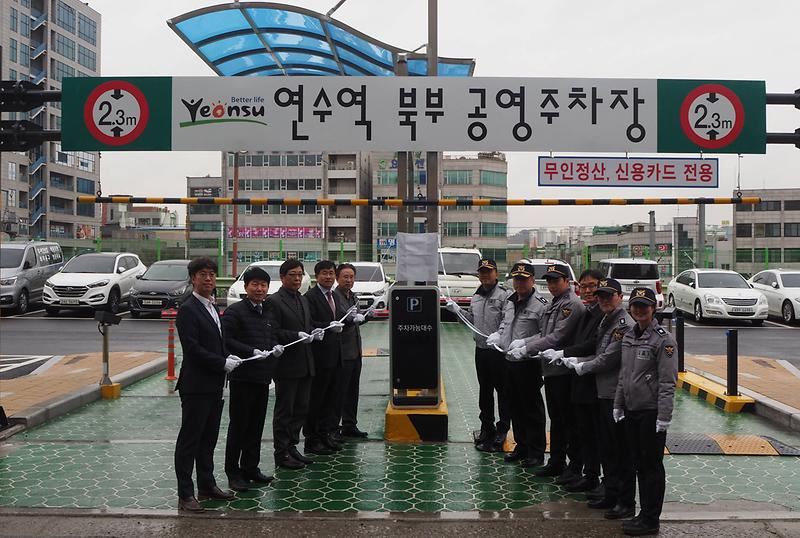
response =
{"points": [[324, 305], [289, 315], [202, 377], [347, 408], [249, 334]]}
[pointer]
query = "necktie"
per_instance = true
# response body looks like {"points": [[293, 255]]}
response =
{"points": [[259, 309], [331, 304]]}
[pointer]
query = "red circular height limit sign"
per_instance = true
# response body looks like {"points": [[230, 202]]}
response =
{"points": [[712, 116], [116, 112]]}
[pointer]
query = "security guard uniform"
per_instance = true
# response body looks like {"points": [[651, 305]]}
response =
{"points": [[521, 318], [645, 395], [559, 324], [486, 314]]}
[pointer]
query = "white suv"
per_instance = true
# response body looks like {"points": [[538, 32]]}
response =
{"points": [[371, 287], [236, 292], [100, 280], [634, 273]]}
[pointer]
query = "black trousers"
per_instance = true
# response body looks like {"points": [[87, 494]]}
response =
{"points": [[323, 404], [247, 409], [348, 392], [291, 408], [490, 365], [564, 438], [200, 418], [524, 382], [614, 454], [587, 437], [647, 449]]}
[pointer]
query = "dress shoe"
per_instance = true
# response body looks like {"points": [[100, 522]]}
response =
{"points": [[516, 455], [336, 437], [483, 436], [354, 432], [329, 442], [216, 494], [597, 493], [639, 527], [582, 484], [300, 457], [286, 461], [487, 446], [499, 440], [621, 512], [601, 504], [531, 462], [239, 484], [259, 478], [551, 469], [190, 504], [318, 448], [567, 476]]}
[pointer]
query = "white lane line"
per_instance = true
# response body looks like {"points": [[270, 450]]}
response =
{"points": [[21, 364], [749, 376], [790, 367], [47, 365]]}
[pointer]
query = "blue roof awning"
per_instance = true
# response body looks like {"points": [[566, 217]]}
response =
{"points": [[265, 38]]}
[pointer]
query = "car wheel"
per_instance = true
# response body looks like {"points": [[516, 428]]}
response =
{"points": [[698, 312], [671, 300], [788, 312], [135, 314], [51, 310], [22, 303], [112, 305], [758, 322]]}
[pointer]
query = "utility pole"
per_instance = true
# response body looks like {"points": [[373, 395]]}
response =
{"points": [[235, 226], [433, 157], [652, 235], [701, 236]]}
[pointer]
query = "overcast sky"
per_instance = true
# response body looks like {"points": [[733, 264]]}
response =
{"points": [[705, 39]]}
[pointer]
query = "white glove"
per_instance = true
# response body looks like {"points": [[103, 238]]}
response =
{"points": [[359, 319], [618, 415], [493, 339], [318, 334], [569, 362], [336, 326], [277, 351], [263, 353], [579, 366], [451, 306], [552, 355], [517, 352], [307, 338], [232, 362], [519, 342], [662, 425]]}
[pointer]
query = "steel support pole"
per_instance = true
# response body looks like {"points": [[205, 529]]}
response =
{"points": [[235, 226], [652, 235], [106, 379], [679, 338], [325, 191], [733, 362], [701, 236], [402, 162], [433, 158]]}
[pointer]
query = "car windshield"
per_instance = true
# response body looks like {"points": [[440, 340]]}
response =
{"points": [[272, 270], [11, 257], [634, 271], [722, 280], [368, 273], [791, 280], [167, 272], [90, 263], [459, 263]]}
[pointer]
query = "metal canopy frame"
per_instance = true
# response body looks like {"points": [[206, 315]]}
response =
{"points": [[268, 39]]}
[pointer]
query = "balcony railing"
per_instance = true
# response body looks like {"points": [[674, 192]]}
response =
{"points": [[41, 161], [38, 78], [37, 215], [38, 20], [38, 50], [34, 192]]}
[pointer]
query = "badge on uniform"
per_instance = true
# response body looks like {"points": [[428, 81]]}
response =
{"points": [[618, 334], [669, 350], [566, 312]]}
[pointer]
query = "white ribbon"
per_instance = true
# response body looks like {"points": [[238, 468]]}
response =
{"points": [[472, 327]]}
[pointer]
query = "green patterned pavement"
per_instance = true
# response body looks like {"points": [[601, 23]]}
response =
{"points": [[118, 454]]}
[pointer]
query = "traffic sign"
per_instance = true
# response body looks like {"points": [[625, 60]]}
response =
{"points": [[116, 112]]}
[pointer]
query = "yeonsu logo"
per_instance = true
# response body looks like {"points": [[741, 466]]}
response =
{"points": [[221, 112]]}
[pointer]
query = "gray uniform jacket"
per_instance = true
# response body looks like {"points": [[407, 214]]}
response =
{"points": [[486, 312], [558, 327], [649, 372], [608, 354], [522, 323]]}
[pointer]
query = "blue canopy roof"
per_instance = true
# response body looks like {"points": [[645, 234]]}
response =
{"points": [[265, 38]]}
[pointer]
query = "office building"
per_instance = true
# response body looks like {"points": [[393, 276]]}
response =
{"points": [[767, 234]]}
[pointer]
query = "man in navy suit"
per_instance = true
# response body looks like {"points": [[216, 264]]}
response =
{"points": [[202, 377]]}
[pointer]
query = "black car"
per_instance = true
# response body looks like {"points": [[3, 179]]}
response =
{"points": [[164, 285]]}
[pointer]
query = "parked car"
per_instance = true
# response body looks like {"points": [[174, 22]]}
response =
{"points": [[164, 285], [717, 293], [782, 289], [100, 280], [632, 273], [458, 274], [539, 269], [24, 268], [236, 291], [371, 287]]}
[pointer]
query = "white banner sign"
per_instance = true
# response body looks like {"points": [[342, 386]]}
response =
{"points": [[628, 172]]}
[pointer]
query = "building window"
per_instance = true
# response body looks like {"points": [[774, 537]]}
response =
{"points": [[25, 27], [312, 160], [387, 177], [204, 243], [85, 210], [215, 226], [24, 55], [493, 229], [12, 171], [12, 51], [87, 29], [65, 16], [767, 255], [13, 20], [458, 177], [387, 229], [489, 177], [491, 207], [65, 46], [769, 229], [744, 255], [458, 229], [87, 58], [774, 205], [791, 205], [12, 74], [62, 70], [457, 207], [791, 255], [499, 255], [85, 186], [743, 207], [791, 229], [61, 182], [292, 160], [202, 209], [744, 230]]}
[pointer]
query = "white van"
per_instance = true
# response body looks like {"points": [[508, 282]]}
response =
{"points": [[236, 292], [24, 268], [458, 274], [632, 273]]}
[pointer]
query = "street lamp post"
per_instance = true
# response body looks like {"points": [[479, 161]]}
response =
{"points": [[235, 225]]}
